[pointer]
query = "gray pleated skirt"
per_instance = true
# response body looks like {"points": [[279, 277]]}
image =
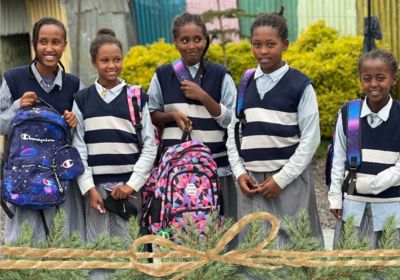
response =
{"points": [[366, 229], [298, 195], [73, 207]]}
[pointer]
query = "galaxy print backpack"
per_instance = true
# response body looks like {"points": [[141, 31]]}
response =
{"points": [[184, 185], [39, 161]]}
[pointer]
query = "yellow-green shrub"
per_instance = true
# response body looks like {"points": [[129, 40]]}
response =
{"points": [[331, 63], [141, 62], [329, 60]]}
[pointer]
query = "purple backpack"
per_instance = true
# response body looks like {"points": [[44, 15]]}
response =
{"points": [[184, 185], [39, 161]]}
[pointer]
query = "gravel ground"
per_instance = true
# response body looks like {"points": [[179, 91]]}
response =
{"points": [[327, 219]]}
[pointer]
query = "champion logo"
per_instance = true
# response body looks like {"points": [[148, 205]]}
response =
{"points": [[47, 182], [68, 163], [26, 136]]}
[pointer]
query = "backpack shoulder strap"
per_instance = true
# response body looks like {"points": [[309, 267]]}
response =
{"points": [[133, 93], [353, 136], [180, 70], [243, 84], [354, 133], [182, 73]]}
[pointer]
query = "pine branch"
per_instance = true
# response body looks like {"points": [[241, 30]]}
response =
{"points": [[25, 237], [349, 237], [300, 233], [58, 229], [389, 234]]}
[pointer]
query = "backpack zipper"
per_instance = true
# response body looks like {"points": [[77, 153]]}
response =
{"points": [[60, 188]]}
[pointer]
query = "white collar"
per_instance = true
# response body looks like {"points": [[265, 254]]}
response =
{"points": [[275, 76], [382, 114], [115, 90]]}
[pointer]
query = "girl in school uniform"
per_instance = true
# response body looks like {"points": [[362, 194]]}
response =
{"points": [[43, 78], [203, 104], [376, 195], [108, 141], [280, 135]]}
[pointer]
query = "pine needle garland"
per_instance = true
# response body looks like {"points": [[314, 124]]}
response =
{"points": [[298, 230]]}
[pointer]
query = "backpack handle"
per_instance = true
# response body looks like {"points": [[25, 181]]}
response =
{"points": [[186, 134]]}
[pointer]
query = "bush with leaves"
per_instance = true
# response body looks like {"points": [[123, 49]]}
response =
{"points": [[329, 60]]}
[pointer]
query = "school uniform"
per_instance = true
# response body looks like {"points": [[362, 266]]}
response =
{"points": [[279, 139], [377, 194], [165, 95], [59, 93], [108, 144]]}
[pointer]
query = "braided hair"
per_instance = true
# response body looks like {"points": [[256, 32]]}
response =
{"points": [[275, 20]]}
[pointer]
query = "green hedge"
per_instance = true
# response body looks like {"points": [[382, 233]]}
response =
{"points": [[328, 59]]}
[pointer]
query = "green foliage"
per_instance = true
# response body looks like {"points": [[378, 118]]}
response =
{"points": [[298, 229], [329, 60], [331, 63], [141, 62], [57, 239]]}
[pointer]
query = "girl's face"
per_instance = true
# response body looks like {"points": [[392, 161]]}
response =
{"points": [[108, 63], [376, 80], [190, 43], [267, 47], [50, 47]]}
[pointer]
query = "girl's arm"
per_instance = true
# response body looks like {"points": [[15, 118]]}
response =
{"points": [[193, 91], [227, 103], [8, 108], [156, 108], [338, 166], [85, 181], [145, 163], [246, 184]]}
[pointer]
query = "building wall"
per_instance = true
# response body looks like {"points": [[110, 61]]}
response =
{"points": [[256, 7], [198, 7], [339, 14], [388, 13]]}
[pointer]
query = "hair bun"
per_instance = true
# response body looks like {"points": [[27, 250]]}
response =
{"points": [[105, 31], [281, 11]]}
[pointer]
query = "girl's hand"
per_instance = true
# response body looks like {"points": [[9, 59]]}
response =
{"points": [[96, 201], [28, 99], [269, 188], [193, 91], [337, 213], [182, 121], [247, 185], [121, 192], [70, 119]]}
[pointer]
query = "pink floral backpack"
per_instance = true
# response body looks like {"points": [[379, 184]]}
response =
{"points": [[184, 185]]}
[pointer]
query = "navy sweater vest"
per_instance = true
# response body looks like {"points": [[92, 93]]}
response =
{"points": [[109, 123], [385, 137], [173, 97], [19, 80], [260, 150]]}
